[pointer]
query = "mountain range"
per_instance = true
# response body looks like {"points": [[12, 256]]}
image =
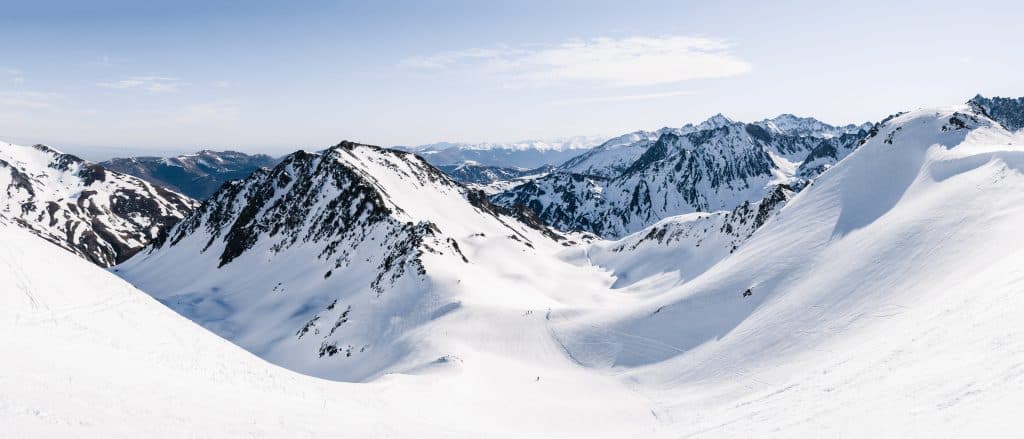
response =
{"points": [[723, 279], [197, 175], [525, 154], [634, 180]]}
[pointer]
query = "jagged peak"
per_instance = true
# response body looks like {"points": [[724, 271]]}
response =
{"points": [[717, 121]]}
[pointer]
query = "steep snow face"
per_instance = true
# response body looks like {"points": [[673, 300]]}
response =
{"points": [[87, 355], [332, 263], [887, 292], [98, 214], [197, 175], [699, 171]]}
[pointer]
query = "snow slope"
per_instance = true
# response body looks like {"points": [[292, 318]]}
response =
{"points": [[884, 300], [101, 215], [86, 355], [354, 262]]}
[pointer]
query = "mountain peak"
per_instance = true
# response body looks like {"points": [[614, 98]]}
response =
{"points": [[717, 121], [102, 215]]}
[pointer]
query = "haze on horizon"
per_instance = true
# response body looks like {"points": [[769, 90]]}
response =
{"points": [[112, 77]]}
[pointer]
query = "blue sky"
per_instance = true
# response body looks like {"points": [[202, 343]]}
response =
{"points": [[275, 76]]}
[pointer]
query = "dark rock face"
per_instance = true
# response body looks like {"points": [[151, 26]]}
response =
{"points": [[197, 175], [101, 215], [1009, 112], [828, 152]]}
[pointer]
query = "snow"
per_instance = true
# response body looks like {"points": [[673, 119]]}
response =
{"points": [[108, 361], [556, 144], [60, 196], [884, 300], [613, 156]]}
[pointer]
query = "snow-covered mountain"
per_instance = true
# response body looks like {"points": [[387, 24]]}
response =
{"points": [[612, 157], [87, 355], [1009, 112], [681, 247], [330, 262], [101, 215], [881, 300], [197, 175], [638, 179], [526, 154], [809, 126]]}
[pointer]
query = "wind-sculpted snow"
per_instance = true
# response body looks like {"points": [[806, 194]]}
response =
{"points": [[883, 299], [885, 292], [98, 214]]}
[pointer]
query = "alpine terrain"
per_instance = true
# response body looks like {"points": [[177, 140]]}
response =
{"points": [[637, 179], [526, 154], [98, 214], [782, 278]]}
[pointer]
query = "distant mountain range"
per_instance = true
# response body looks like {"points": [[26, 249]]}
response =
{"points": [[525, 154], [197, 175]]}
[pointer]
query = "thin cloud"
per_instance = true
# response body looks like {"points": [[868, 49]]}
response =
{"points": [[152, 84], [625, 98], [633, 61]]}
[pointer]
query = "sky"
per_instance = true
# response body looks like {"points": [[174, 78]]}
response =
{"points": [[106, 78]]}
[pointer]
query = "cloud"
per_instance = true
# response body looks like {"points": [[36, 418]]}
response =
{"points": [[152, 84], [633, 61], [625, 98]]}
